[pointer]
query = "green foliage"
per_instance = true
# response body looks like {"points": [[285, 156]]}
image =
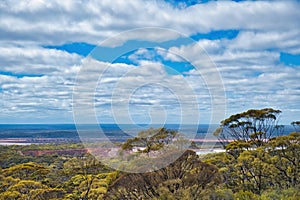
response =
{"points": [[296, 125], [91, 186], [29, 170], [24, 189], [274, 165], [255, 174], [45, 194], [221, 194], [151, 139], [258, 162], [10, 195], [13, 155], [245, 195], [285, 151], [6, 182], [253, 126], [251, 167], [287, 194], [186, 177], [59, 177]]}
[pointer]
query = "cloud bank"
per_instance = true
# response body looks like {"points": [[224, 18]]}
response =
{"points": [[36, 82]]}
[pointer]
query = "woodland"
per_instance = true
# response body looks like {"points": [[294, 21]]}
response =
{"points": [[260, 162]]}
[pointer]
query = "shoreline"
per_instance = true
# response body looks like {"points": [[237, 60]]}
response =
{"points": [[29, 141]]}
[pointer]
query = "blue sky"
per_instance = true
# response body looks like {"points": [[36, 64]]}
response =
{"points": [[253, 49]]}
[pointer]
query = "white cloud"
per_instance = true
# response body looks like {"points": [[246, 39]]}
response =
{"points": [[283, 40], [252, 74], [43, 98], [249, 64], [142, 54], [92, 21], [35, 59], [135, 91]]}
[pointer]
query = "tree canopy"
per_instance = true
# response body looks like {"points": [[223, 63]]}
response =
{"points": [[258, 163], [254, 127], [187, 177], [296, 125], [152, 140]]}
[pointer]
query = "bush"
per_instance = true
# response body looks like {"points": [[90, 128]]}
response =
{"points": [[221, 194], [245, 195]]}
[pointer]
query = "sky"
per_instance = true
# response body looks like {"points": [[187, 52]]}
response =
{"points": [[147, 61]]}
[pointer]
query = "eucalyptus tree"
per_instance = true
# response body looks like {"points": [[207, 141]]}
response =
{"points": [[151, 139], [252, 128], [285, 152], [296, 125], [187, 178]]}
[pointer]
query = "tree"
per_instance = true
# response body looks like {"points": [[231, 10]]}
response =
{"points": [[255, 127], [6, 182], [30, 170], [285, 151], [221, 194], [254, 171], [245, 195], [227, 165], [25, 188], [186, 176], [48, 193], [151, 140], [10, 195], [250, 171], [290, 193], [83, 170], [257, 158], [296, 125]]}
